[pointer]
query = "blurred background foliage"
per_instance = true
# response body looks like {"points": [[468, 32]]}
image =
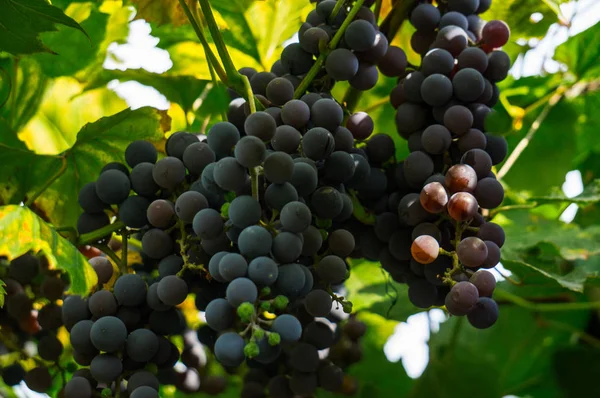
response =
{"points": [[73, 71]]}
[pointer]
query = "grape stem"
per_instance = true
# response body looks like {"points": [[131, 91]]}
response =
{"points": [[60, 172], [337, 8], [501, 294], [132, 241], [212, 59], [95, 236], [314, 70], [359, 212], [254, 174], [182, 241], [110, 253], [392, 23], [535, 126], [123, 262], [238, 82]]}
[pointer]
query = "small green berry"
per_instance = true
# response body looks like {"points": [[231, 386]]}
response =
{"points": [[280, 302], [245, 311], [251, 350], [274, 339]]}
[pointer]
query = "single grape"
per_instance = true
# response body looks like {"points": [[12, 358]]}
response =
{"points": [[421, 293], [498, 66], [278, 195], [142, 345], [436, 139], [361, 125], [366, 77], [485, 283], [260, 124], [425, 249], [259, 82], [250, 151], [479, 160], [360, 35], [425, 17], [341, 242], [485, 313], [263, 271], [495, 33], [454, 18], [172, 290], [295, 217], [461, 178], [279, 91], [140, 151], [142, 378], [89, 200], [108, 334], [74, 309], [133, 211], [473, 139], [492, 232], [50, 348], [394, 62], [296, 59], [318, 303], [434, 197], [208, 224], [78, 387], [113, 186], [458, 119], [106, 368], [489, 193], [161, 213], [327, 202], [178, 142], [332, 269], [103, 303], [142, 181], [279, 167], [341, 64], [452, 39], [229, 175], [197, 156], [326, 113], [472, 252], [462, 298], [412, 86], [311, 38], [462, 206], [291, 280], [436, 90], [232, 266], [288, 327], [229, 349], [255, 241], [38, 379], [287, 139]]}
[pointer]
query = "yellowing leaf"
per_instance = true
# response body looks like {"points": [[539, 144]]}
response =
{"points": [[163, 11], [24, 231]]}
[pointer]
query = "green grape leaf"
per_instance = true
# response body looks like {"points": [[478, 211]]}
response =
{"points": [[371, 289], [75, 52], [2, 293], [574, 367], [22, 22], [581, 53], [28, 92], [590, 195], [512, 358], [97, 143], [563, 252], [24, 231], [182, 90]]}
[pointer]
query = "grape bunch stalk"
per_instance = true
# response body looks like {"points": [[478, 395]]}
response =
{"points": [[258, 220]]}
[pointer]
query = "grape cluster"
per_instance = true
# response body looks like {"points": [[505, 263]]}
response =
{"points": [[359, 51], [448, 177], [257, 220], [32, 313], [120, 330]]}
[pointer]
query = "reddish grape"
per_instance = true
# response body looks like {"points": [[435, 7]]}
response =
{"points": [[434, 197], [495, 33], [462, 206], [472, 252], [461, 178], [425, 249]]}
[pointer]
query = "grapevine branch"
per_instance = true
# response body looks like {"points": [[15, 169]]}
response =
{"points": [[314, 70], [535, 126], [212, 59], [94, 236], [502, 294]]}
